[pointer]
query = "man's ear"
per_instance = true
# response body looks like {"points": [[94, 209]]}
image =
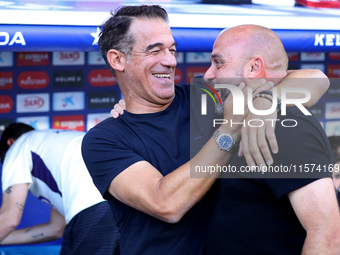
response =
{"points": [[10, 141], [116, 59], [255, 68]]}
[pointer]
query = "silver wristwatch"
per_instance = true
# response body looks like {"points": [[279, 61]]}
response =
{"points": [[225, 141]]}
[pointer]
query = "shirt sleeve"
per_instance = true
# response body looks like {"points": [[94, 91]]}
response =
{"points": [[106, 154]]}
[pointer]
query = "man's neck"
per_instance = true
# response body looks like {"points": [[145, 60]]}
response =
{"points": [[142, 106]]}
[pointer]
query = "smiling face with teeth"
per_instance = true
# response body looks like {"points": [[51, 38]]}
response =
{"points": [[147, 80]]}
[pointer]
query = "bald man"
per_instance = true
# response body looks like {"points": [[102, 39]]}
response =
{"points": [[269, 212]]}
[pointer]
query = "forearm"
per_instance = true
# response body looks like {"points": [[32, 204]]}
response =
{"points": [[315, 81], [13, 203], [5, 230], [321, 244], [7, 224], [194, 182], [169, 197], [35, 234]]}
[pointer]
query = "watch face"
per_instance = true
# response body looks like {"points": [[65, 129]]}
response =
{"points": [[225, 142]]}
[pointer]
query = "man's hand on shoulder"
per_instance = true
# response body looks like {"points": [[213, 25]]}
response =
{"points": [[118, 109]]}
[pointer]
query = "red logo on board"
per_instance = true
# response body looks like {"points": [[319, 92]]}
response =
{"points": [[178, 75], [32, 58], [6, 80], [33, 80], [69, 56], [333, 71], [334, 55], [101, 78], [34, 102], [6, 104], [74, 122], [193, 72]]}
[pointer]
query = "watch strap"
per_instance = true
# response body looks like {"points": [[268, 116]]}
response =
{"points": [[216, 136]]}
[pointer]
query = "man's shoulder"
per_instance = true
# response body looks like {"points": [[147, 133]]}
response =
{"points": [[301, 127], [106, 128], [294, 117], [296, 111], [105, 123], [302, 140]]}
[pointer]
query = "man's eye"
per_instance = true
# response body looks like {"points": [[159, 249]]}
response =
{"points": [[173, 51]]}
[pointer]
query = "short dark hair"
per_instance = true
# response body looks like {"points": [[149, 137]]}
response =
{"points": [[115, 31], [13, 130]]}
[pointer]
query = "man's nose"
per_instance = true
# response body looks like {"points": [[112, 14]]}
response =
{"points": [[209, 75], [169, 59]]}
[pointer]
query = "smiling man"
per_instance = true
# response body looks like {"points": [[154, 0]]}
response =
{"points": [[140, 161]]}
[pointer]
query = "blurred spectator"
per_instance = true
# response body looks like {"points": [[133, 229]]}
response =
{"points": [[48, 164]]}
